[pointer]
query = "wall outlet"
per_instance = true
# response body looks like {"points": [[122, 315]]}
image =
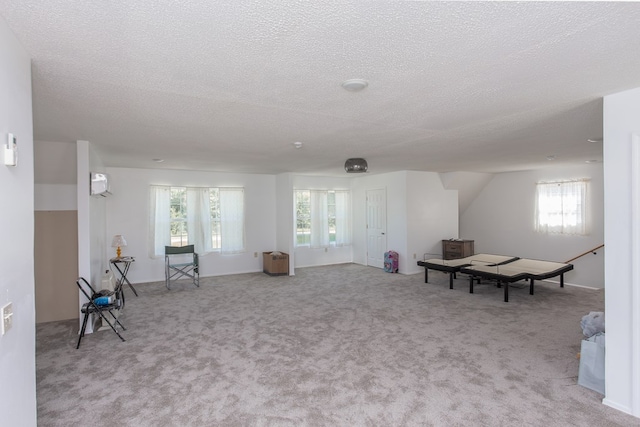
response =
{"points": [[414, 256], [255, 254], [6, 318]]}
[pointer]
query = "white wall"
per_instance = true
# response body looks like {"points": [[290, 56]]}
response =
{"points": [[306, 257], [285, 227], [622, 237], [432, 215], [468, 184], [92, 258], [420, 213], [501, 221], [56, 197], [128, 212], [17, 346]]}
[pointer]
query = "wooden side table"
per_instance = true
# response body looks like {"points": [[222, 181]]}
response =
{"points": [[454, 249]]}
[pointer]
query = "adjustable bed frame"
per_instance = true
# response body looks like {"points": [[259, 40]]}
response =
{"points": [[453, 266], [514, 271]]}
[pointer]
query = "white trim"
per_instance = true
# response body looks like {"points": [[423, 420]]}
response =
{"points": [[635, 274], [571, 284], [617, 406]]}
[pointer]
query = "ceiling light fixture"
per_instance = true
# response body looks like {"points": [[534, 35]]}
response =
{"points": [[297, 144], [158, 160], [356, 165], [591, 161], [355, 85], [551, 157], [594, 140]]}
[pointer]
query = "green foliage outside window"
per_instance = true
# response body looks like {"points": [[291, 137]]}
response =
{"points": [[179, 236]]}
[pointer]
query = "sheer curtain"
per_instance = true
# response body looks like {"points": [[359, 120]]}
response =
{"points": [[319, 219], [159, 220], [199, 219], [231, 220], [561, 207], [343, 218]]}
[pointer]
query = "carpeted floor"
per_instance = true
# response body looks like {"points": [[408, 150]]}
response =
{"points": [[343, 345]]}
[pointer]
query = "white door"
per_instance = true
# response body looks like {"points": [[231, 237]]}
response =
{"points": [[376, 227]]}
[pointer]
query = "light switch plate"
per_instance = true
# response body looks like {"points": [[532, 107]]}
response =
{"points": [[10, 151], [6, 318]]}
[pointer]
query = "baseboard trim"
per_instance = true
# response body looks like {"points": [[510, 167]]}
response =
{"points": [[575, 285], [617, 406]]}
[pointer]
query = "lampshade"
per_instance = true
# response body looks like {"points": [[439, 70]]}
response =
{"points": [[118, 241], [356, 165]]}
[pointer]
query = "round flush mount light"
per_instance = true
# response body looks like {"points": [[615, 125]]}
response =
{"points": [[158, 160], [355, 85], [594, 140], [551, 157], [297, 144], [592, 161]]}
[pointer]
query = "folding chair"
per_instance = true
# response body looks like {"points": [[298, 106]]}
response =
{"points": [[91, 307], [181, 261]]}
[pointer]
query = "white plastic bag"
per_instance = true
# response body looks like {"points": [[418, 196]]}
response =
{"points": [[591, 371], [108, 281]]}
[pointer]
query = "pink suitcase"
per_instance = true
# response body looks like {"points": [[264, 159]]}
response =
{"points": [[391, 262]]}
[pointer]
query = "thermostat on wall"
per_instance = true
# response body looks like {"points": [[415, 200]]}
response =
{"points": [[11, 151]]}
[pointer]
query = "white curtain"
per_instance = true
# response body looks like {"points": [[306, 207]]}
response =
{"points": [[159, 220], [319, 219], [231, 220], [199, 219], [561, 207], [343, 218]]}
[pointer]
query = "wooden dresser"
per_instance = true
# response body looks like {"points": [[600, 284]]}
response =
{"points": [[454, 249]]}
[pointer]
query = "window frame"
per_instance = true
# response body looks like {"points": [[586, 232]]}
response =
{"points": [[178, 218], [303, 202], [561, 207]]}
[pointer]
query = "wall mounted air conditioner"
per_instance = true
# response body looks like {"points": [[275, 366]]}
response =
{"points": [[100, 185]]}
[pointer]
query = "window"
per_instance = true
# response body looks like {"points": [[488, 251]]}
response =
{"points": [[322, 218], [561, 207], [209, 218], [214, 201], [303, 218], [179, 234]]}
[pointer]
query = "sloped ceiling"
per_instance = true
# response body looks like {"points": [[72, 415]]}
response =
{"points": [[230, 86]]}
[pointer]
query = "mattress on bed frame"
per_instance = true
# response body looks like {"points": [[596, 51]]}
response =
{"points": [[480, 259]]}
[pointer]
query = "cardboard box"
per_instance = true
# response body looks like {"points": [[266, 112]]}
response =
{"points": [[275, 265]]}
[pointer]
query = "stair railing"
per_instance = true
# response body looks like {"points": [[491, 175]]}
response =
{"points": [[591, 251]]}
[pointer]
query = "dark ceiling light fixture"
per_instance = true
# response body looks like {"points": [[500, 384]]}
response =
{"points": [[356, 165]]}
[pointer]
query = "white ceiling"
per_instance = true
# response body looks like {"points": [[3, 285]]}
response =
{"points": [[230, 86]]}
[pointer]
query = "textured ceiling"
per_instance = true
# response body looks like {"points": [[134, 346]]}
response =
{"points": [[230, 86]]}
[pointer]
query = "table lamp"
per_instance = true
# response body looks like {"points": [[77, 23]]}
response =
{"points": [[117, 242]]}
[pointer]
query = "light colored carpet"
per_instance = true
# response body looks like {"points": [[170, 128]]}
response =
{"points": [[343, 345]]}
